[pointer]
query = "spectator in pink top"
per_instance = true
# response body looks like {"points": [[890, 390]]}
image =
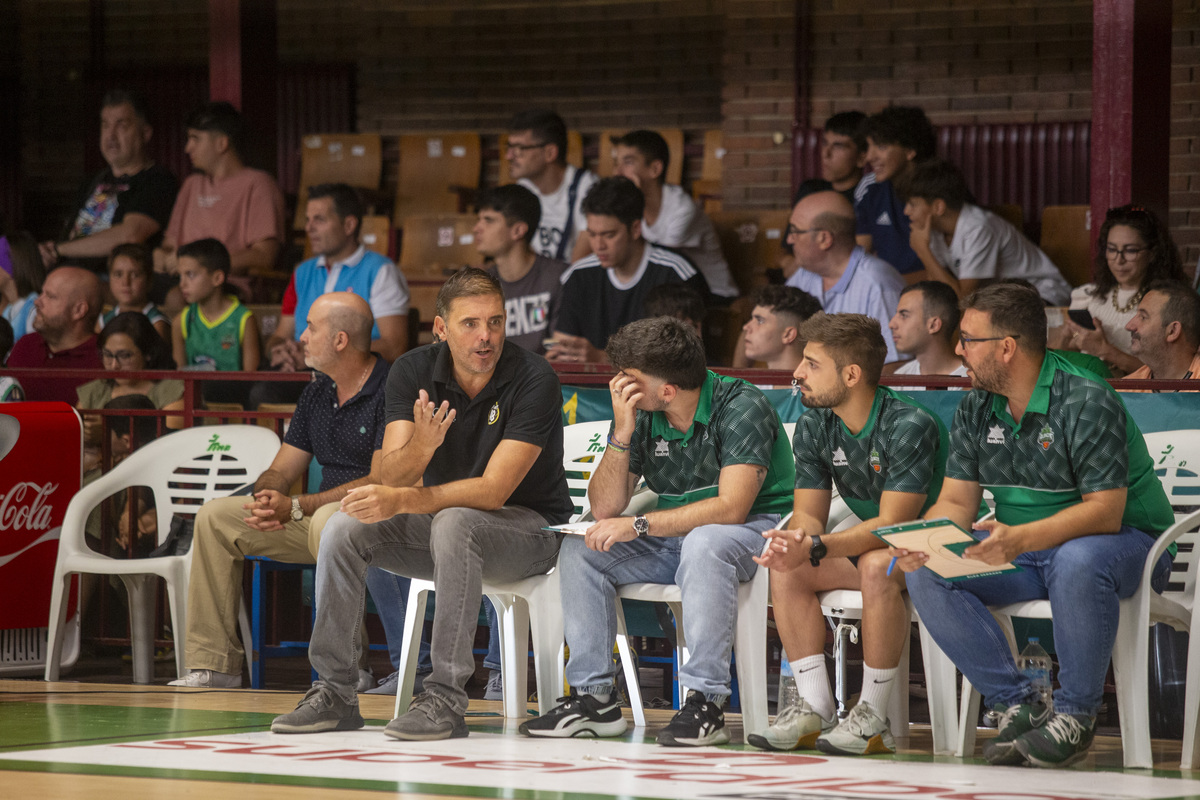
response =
{"points": [[224, 199]]}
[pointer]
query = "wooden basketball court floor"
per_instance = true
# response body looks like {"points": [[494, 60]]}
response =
{"points": [[116, 742]]}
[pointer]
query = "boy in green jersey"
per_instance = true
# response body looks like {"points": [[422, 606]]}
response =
{"points": [[885, 454], [215, 330]]}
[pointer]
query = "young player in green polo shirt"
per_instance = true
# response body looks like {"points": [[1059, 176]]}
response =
{"points": [[885, 454], [1077, 508], [215, 330], [714, 451]]}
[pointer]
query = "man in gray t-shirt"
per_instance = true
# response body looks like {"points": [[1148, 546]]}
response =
{"points": [[508, 219]]}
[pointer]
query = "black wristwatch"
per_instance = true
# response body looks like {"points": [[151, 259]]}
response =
{"points": [[817, 551], [641, 526]]}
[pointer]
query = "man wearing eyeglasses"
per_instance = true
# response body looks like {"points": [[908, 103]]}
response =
{"points": [[63, 334], [1077, 508], [537, 159], [836, 271]]}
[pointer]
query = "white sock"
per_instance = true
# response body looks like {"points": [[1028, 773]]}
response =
{"points": [[812, 681], [877, 688]]}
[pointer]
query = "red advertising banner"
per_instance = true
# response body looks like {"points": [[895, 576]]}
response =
{"points": [[41, 452]]}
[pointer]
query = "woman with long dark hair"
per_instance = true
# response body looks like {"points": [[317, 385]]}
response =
{"points": [[1134, 249]]}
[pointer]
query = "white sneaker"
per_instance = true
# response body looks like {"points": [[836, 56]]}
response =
{"points": [[862, 732], [209, 679], [796, 727]]}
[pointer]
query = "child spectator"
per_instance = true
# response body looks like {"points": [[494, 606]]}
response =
{"points": [[130, 272], [21, 279], [215, 331], [963, 245]]}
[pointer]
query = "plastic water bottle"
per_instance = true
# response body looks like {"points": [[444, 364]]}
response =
{"points": [[1034, 662], [789, 693]]}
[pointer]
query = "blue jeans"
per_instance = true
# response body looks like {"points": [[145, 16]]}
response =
{"points": [[1084, 579], [707, 564], [390, 593], [492, 659]]}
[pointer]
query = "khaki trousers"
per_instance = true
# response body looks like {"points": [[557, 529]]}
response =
{"points": [[222, 541]]}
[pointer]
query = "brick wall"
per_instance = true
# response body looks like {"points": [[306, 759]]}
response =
{"points": [[1185, 130], [963, 62], [757, 103]]}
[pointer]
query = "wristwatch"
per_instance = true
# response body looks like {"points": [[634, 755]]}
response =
{"points": [[297, 514], [817, 551], [641, 526]]}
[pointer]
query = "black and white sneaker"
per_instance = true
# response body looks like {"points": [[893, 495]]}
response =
{"points": [[578, 715], [697, 724]]}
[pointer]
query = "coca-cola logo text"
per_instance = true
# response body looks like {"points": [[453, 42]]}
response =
{"points": [[25, 507]]}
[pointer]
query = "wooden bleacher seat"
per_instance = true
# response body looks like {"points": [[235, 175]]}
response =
{"points": [[574, 155], [433, 247], [751, 242], [437, 171], [706, 190], [674, 137], [1012, 213], [268, 318], [353, 158], [1067, 239]]}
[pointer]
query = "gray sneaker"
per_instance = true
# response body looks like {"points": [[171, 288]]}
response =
{"points": [[495, 686], [320, 710], [391, 684], [428, 718]]}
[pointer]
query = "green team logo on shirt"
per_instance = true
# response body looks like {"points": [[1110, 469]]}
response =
{"points": [[1046, 437], [875, 462], [494, 414]]}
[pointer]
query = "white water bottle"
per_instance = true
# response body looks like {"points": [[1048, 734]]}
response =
{"points": [[1034, 662], [789, 693]]}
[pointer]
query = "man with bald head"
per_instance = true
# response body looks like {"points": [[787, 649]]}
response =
{"points": [[63, 335], [836, 271], [339, 421]]}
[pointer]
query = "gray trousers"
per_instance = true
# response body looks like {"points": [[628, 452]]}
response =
{"points": [[456, 548]]}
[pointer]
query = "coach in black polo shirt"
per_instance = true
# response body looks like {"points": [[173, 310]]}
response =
{"points": [[472, 467]]}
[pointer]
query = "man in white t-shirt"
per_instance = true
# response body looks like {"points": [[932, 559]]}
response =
{"points": [[672, 219], [537, 159], [964, 245], [924, 326]]}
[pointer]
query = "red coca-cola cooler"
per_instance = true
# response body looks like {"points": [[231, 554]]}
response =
{"points": [[41, 458]]}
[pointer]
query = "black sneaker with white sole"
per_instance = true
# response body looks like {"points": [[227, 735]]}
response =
{"points": [[697, 724], [579, 715]]}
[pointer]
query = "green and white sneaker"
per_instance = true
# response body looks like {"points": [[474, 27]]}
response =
{"points": [[863, 732], [1015, 722], [798, 726], [1061, 742]]}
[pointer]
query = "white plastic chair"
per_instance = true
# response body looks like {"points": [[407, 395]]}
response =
{"points": [[533, 603], [1175, 606], [749, 642], [184, 470]]}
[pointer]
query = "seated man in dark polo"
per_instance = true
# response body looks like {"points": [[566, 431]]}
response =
{"points": [[339, 422], [472, 471], [1077, 508], [63, 337]]}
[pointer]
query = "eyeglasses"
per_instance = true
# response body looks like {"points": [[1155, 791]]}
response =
{"points": [[966, 340], [1128, 252], [792, 230], [121, 356], [521, 148]]}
